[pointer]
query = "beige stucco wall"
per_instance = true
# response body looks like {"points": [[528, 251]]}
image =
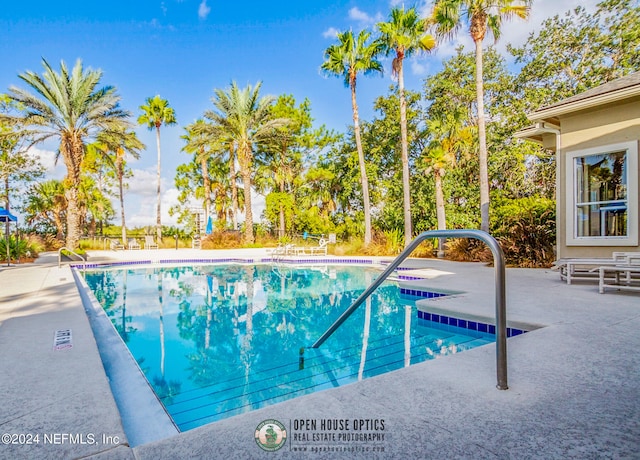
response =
{"points": [[607, 125]]}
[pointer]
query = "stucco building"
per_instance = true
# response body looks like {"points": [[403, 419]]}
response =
{"points": [[595, 137]]}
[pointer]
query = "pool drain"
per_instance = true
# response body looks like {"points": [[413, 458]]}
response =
{"points": [[62, 339]]}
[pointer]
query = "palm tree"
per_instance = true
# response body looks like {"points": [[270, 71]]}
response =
{"points": [[404, 35], [482, 15], [213, 139], [246, 118], [72, 108], [115, 145], [449, 139], [199, 143], [156, 113], [346, 59]]}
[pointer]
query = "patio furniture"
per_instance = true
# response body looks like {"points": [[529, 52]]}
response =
{"points": [[132, 243], [115, 244], [584, 268], [627, 283], [149, 243], [320, 250], [283, 250]]}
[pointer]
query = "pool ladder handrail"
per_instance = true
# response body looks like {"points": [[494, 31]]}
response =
{"points": [[501, 313], [64, 248]]}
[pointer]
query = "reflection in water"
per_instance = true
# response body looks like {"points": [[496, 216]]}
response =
{"points": [[230, 335], [407, 336], [365, 330], [365, 337]]}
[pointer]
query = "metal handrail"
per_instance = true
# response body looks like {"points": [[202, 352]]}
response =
{"points": [[501, 307], [84, 261]]}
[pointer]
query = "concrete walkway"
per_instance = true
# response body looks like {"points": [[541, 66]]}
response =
{"points": [[574, 387]]}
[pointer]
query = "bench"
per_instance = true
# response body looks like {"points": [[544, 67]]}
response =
{"points": [[585, 269], [626, 284]]}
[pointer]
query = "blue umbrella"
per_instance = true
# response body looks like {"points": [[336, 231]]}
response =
{"points": [[6, 216], [209, 229]]}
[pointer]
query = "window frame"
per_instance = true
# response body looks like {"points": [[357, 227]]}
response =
{"points": [[631, 239]]}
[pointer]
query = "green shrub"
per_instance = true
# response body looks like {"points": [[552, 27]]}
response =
{"points": [[18, 249], [526, 231]]}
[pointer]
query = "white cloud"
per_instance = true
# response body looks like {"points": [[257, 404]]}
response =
{"points": [[356, 14], [140, 199], [48, 159], [331, 32], [203, 10], [418, 68], [143, 183], [142, 212]]}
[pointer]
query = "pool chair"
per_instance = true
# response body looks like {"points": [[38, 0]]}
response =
{"points": [[283, 250], [133, 244], [115, 244], [319, 250], [149, 243]]}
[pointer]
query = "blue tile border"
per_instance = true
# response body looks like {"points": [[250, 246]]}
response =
{"points": [[421, 293], [467, 324], [225, 260]]}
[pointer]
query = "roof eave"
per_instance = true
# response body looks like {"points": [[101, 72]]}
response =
{"points": [[588, 103]]}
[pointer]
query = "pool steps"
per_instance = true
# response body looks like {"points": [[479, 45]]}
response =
{"points": [[383, 355]]}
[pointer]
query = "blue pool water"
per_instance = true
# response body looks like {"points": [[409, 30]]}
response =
{"points": [[218, 340]]}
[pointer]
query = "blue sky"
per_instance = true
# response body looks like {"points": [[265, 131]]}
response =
{"points": [[184, 49]]}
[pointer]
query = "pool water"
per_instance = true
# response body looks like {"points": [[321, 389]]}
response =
{"points": [[219, 340]]}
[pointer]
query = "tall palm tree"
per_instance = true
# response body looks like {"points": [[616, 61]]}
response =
{"points": [[482, 15], [213, 139], [155, 113], [115, 145], [404, 34], [449, 139], [246, 117], [74, 109], [346, 59], [198, 143]]}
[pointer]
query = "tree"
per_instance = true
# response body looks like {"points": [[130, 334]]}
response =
{"points": [[115, 145], [346, 59], [449, 138], [155, 113], [212, 138], [482, 15], [578, 51], [200, 145], [404, 34], [46, 204], [16, 165], [72, 108], [246, 118]]}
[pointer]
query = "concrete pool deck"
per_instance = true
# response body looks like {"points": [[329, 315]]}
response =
{"points": [[574, 390]]}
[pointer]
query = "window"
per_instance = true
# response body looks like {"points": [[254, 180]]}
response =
{"points": [[602, 196]]}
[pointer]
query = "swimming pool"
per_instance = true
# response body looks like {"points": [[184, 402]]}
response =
{"points": [[218, 340]]}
